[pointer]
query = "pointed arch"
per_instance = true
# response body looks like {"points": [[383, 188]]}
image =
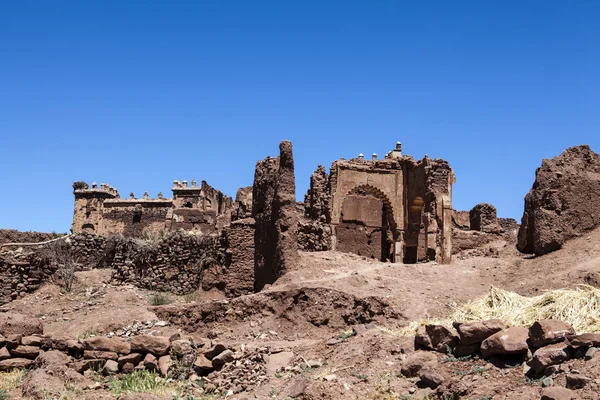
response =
{"points": [[387, 205]]}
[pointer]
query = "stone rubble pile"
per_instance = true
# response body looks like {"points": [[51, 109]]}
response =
{"points": [[542, 349]]}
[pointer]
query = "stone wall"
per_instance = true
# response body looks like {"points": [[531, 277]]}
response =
{"points": [[239, 259], [483, 218], [274, 210], [14, 236]]}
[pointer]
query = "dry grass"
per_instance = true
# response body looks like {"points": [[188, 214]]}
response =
{"points": [[579, 307], [11, 380], [145, 382]]}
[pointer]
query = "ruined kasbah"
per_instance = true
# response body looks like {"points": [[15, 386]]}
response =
{"points": [[394, 209]]}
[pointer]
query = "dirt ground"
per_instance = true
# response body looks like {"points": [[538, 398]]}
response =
{"points": [[303, 318]]}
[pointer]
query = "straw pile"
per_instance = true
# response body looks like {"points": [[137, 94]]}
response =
{"points": [[579, 307]]}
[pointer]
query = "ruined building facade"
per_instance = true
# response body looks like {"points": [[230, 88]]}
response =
{"points": [[395, 209], [102, 211]]}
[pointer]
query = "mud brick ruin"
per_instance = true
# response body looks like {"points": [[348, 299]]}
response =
{"points": [[101, 210], [395, 208]]}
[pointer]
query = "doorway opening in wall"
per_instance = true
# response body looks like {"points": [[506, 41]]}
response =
{"points": [[137, 218], [410, 255], [188, 204]]}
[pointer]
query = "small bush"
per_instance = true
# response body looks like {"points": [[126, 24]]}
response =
{"points": [[160, 299]]}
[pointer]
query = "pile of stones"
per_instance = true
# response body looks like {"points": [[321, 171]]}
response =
{"points": [[542, 348]]}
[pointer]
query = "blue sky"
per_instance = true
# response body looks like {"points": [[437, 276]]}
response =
{"points": [[139, 93]]}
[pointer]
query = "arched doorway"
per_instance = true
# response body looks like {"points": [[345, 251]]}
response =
{"points": [[367, 226]]}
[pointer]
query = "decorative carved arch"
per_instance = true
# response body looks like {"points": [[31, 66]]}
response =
{"points": [[387, 205]]}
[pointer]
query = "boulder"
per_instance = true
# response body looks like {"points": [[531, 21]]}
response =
{"points": [[52, 357], [101, 343], [100, 355], [25, 352], [416, 361], [111, 367], [510, 341], [32, 341], [181, 347], [13, 340], [39, 384], [202, 365], [585, 340], [127, 368], [558, 393], [157, 345], [133, 358], [563, 202], [548, 331], [435, 337], [83, 365], [477, 332], [11, 324], [577, 381], [549, 355], [223, 358], [164, 363], [12, 363], [211, 352], [4, 354], [150, 362], [431, 378]]}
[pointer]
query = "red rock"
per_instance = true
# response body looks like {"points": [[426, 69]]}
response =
{"points": [[111, 367], [549, 355], [25, 352], [101, 343], [4, 354], [100, 355], [416, 361], [164, 363], [11, 323], [511, 341], [549, 331], [32, 341], [150, 362], [477, 332], [223, 358], [213, 351], [586, 340], [435, 337], [12, 363], [558, 393], [157, 345], [83, 365], [577, 381], [133, 358], [431, 378]]}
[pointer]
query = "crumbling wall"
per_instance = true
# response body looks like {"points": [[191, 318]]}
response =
{"points": [[239, 260], [242, 207], [274, 210], [318, 197], [563, 202], [483, 218], [14, 236]]}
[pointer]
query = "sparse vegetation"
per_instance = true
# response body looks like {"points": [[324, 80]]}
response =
{"points": [[160, 299], [88, 333], [58, 256], [144, 381]]}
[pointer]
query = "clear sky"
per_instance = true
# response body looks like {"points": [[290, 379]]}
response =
{"points": [[139, 93]]}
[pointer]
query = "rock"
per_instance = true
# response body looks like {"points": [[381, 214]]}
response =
{"points": [[464, 350], [181, 347], [511, 341], [101, 343], [477, 332], [111, 367], [52, 357], [549, 355], [430, 378], [32, 341], [558, 393], [483, 218], [549, 331], [224, 357], [157, 345], [585, 340], [150, 362], [133, 358], [12, 363], [435, 337], [13, 340], [4, 354], [562, 203], [202, 365], [213, 351], [74, 346], [277, 361], [547, 382], [83, 365], [25, 352], [298, 387], [577, 381], [590, 353], [11, 324], [102, 355], [127, 368], [2, 341], [416, 361], [553, 369], [164, 363]]}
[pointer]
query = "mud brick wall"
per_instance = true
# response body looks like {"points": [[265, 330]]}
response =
{"points": [[313, 235], [239, 259]]}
